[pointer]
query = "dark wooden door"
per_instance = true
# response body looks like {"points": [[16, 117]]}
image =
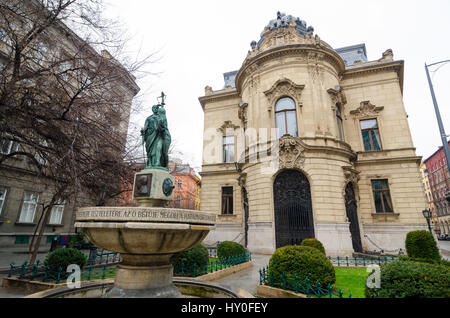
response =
{"points": [[352, 215], [293, 208]]}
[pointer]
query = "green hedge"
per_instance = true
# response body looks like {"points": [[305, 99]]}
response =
{"points": [[197, 255], [421, 244], [425, 260], [312, 242], [302, 261], [406, 279], [63, 257], [226, 249]]}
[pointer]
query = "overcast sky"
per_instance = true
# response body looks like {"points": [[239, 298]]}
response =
{"points": [[197, 41]]}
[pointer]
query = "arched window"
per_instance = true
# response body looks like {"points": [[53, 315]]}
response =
{"points": [[340, 126], [286, 117]]}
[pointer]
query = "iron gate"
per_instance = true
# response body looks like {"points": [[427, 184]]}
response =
{"points": [[293, 208], [352, 215]]}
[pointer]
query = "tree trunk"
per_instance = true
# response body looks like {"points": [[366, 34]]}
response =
{"points": [[45, 217]]}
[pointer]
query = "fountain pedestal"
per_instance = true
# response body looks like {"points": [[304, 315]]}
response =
{"points": [[146, 238]]}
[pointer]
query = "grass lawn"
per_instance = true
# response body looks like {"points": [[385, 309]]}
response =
{"points": [[351, 279]]}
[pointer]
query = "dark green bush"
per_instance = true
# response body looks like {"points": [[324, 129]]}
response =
{"points": [[312, 242], [198, 255], [303, 261], [405, 279], [421, 244], [63, 257], [227, 249], [424, 260]]}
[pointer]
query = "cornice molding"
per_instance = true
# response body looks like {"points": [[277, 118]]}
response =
{"points": [[310, 54], [219, 96]]}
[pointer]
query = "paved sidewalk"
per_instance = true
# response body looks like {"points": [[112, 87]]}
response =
{"points": [[248, 279]]}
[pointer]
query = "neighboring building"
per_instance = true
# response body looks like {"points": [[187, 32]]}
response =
{"points": [[310, 141], [439, 180], [427, 189], [22, 193], [187, 186]]}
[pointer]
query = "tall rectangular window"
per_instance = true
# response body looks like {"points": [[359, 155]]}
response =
{"points": [[370, 135], [2, 199], [227, 200], [29, 206], [382, 196], [286, 117], [228, 149], [57, 213]]}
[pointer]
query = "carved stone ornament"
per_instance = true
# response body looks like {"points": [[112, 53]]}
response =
{"points": [[290, 152], [243, 113], [351, 175], [242, 180], [284, 87], [227, 125], [337, 96], [366, 109]]}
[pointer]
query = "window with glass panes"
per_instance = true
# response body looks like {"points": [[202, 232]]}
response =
{"points": [[286, 117], [8, 146], [370, 134], [2, 199], [382, 196], [29, 206], [228, 149], [227, 200], [57, 213]]}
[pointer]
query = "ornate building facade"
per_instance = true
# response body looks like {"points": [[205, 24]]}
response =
{"points": [[309, 141]]}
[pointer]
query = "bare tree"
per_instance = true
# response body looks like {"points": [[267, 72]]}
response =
{"points": [[65, 104]]}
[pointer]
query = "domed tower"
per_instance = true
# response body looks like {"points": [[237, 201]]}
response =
{"points": [[309, 141]]}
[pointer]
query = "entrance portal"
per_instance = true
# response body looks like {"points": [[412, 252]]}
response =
{"points": [[293, 208]]}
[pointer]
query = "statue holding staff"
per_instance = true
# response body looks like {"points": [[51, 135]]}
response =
{"points": [[156, 137]]}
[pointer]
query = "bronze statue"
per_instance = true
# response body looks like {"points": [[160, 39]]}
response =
{"points": [[156, 137]]}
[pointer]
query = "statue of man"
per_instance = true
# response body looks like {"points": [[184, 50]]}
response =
{"points": [[157, 138]]}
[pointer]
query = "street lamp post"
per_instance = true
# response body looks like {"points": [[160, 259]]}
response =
{"points": [[441, 126], [427, 215]]}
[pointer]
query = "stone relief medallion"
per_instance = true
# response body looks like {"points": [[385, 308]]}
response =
{"points": [[168, 186], [290, 152], [143, 185]]}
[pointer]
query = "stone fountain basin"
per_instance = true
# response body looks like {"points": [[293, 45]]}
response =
{"points": [[144, 230], [144, 238]]}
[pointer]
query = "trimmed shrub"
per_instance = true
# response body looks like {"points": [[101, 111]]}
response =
{"points": [[424, 260], [63, 257], [312, 242], [227, 249], [421, 244], [405, 279], [197, 255], [303, 261]]}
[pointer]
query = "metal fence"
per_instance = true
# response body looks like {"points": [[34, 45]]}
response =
{"points": [[212, 266], [99, 256], [97, 261], [297, 285], [361, 261], [38, 272]]}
